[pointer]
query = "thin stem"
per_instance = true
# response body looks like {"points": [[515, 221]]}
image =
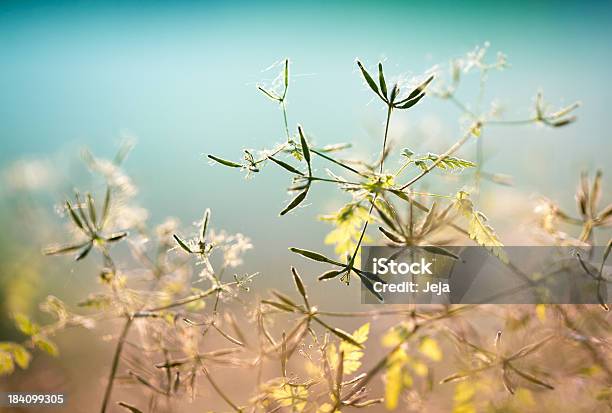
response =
{"points": [[115, 364], [511, 122], [404, 166], [384, 147], [363, 231], [189, 299], [284, 108]]}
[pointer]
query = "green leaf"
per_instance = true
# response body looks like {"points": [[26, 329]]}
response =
{"points": [[410, 103], [21, 355], [74, 216], [46, 345], [225, 162], [269, 94], [305, 149], [63, 249], [450, 162], [368, 78], [25, 325], [286, 74], [117, 236], [369, 284], [92, 209], [285, 165], [295, 202], [84, 252], [407, 153], [328, 275], [420, 89], [205, 221], [440, 251], [182, 244], [394, 93], [381, 80], [390, 235], [299, 284], [315, 256]]}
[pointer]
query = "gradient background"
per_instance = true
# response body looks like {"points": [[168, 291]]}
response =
{"points": [[180, 77]]}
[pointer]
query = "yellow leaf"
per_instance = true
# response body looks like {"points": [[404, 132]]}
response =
{"points": [[327, 408], [525, 397], [21, 355], [478, 229], [25, 325], [393, 386], [420, 369], [463, 398], [429, 347], [541, 312], [394, 336], [287, 395], [46, 345], [353, 354], [394, 380], [348, 222], [6, 363]]}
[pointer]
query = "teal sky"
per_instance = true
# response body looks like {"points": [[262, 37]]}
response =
{"points": [[180, 76]]}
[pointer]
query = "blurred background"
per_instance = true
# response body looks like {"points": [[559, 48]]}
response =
{"points": [[179, 78]]}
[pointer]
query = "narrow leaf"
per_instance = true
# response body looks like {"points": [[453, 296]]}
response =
{"points": [[84, 252], [305, 148], [368, 78], [269, 94], [299, 284], [328, 275], [225, 162], [285, 165], [205, 221], [315, 256], [92, 209], [390, 235], [295, 201], [117, 236], [381, 80], [182, 244]]}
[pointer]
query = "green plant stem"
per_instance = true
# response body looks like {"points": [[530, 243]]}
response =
{"points": [[115, 363], [384, 147], [382, 161], [284, 109]]}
